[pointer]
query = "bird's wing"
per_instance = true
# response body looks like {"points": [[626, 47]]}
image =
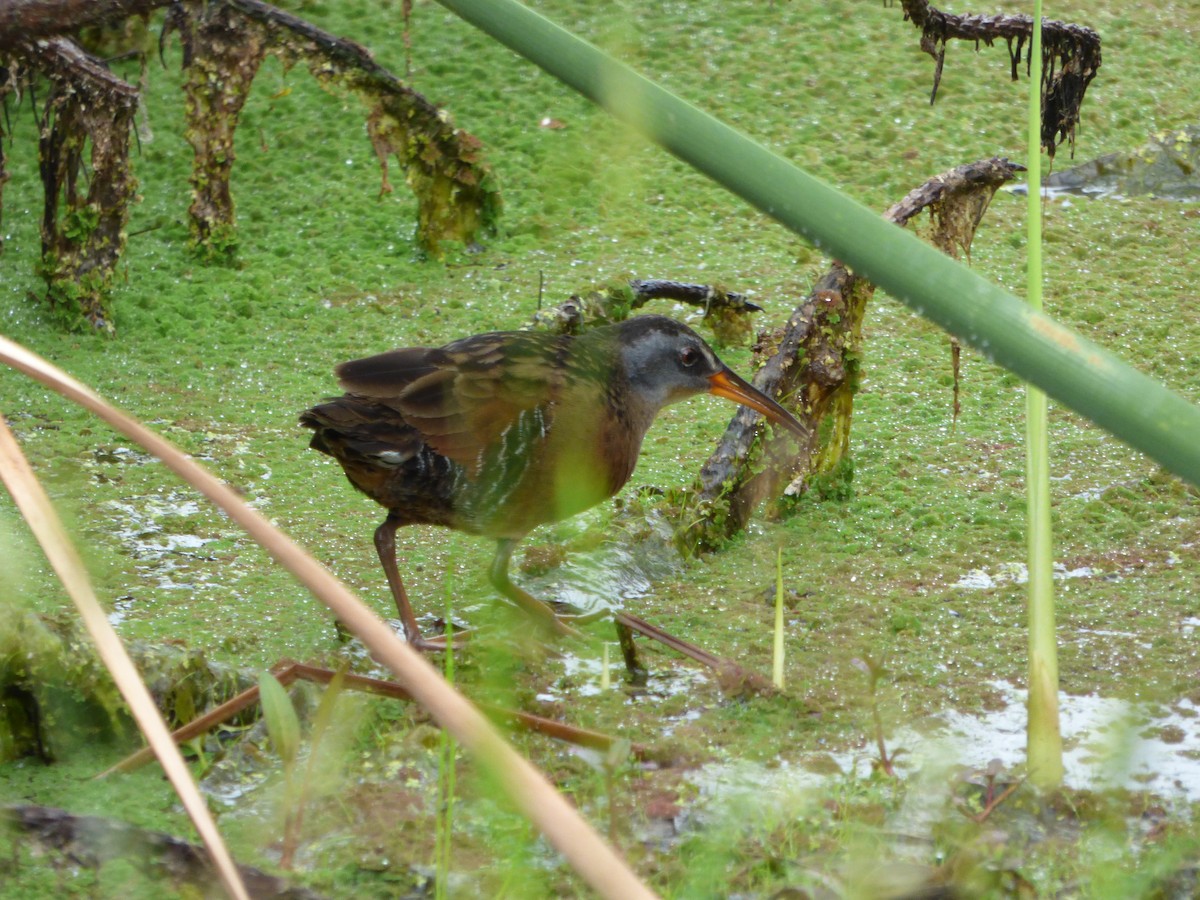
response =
{"points": [[386, 374], [463, 398]]}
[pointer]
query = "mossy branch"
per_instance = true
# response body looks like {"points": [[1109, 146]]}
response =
{"points": [[726, 312], [91, 111], [87, 114], [811, 365], [224, 45], [1070, 58]]}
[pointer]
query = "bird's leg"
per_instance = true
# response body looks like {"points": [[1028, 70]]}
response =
{"points": [[532, 606], [637, 672], [385, 546]]}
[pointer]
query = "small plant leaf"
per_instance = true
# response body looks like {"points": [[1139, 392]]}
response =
{"points": [[617, 753], [283, 725]]}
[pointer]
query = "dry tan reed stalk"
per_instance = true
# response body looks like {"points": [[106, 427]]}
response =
{"points": [[35, 506], [582, 846]]}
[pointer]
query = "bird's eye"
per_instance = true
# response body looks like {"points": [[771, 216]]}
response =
{"points": [[689, 356]]}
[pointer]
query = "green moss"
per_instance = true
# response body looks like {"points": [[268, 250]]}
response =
{"points": [[837, 483]]}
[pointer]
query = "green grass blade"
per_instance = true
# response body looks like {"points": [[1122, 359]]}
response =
{"points": [[283, 725]]}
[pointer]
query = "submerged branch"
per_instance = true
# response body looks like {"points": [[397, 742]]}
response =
{"points": [[93, 841]]}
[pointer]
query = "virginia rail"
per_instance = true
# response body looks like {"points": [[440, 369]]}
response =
{"points": [[498, 433]]}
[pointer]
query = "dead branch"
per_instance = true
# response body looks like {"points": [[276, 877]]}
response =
{"points": [[9, 80], [25, 21], [1070, 58], [724, 311], [812, 365], [957, 201], [288, 672]]}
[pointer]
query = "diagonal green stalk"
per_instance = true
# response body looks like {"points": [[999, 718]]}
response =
{"points": [[1072, 369], [1043, 738]]}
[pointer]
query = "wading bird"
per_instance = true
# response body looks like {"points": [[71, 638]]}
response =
{"points": [[498, 433]]}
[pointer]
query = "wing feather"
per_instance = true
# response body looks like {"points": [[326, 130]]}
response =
{"points": [[463, 398]]}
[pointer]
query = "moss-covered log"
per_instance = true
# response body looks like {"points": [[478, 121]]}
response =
{"points": [[56, 695], [811, 365]]}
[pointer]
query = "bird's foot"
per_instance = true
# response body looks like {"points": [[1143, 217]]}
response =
{"points": [[733, 679], [568, 613], [567, 619], [439, 643], [639, 675]]}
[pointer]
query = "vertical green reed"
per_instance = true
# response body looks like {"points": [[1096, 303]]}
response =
{"points": [[1043, 738]]}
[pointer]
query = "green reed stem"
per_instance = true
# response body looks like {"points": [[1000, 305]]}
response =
{"points": [[1072, 369], [1043, 738]]}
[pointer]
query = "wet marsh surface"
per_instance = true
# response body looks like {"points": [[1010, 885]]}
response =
{"points": [[921, 569]]}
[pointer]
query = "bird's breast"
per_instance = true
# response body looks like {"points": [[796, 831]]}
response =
{"points": [[550, 464]]}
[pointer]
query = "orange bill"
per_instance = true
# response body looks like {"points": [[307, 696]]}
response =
{"points": [[732, 387]]}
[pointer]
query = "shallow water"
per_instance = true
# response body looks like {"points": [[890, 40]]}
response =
{"points": [[1164, 167], [1107, 744], [1014, 573], [621, 569]]}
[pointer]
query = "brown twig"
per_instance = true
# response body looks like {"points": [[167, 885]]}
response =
{"points": [[288, 671]]}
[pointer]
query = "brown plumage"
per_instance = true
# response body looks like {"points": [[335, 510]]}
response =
{"points": [[498, 433]]}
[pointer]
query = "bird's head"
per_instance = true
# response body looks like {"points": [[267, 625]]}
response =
{"points": [[666, 361]]}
